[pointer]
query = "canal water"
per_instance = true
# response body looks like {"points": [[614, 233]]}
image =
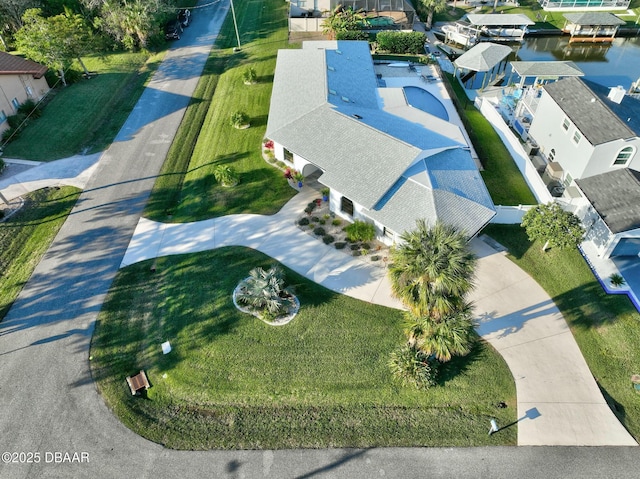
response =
{"points": [[608, 65]]}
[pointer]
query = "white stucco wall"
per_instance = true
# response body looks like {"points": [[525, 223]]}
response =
{"points": [[604, 155]]}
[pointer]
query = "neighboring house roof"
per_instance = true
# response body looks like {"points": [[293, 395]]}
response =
{"points": [[547, 69], [499, 19], [14, 65], [483, 57], [590, 113], [325, 107], [593, 18], [615, 195]]}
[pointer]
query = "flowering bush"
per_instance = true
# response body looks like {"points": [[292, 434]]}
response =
{"points": [[268, 144], [288, 174]]}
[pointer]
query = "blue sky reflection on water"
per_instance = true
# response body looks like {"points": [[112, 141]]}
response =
{"points": [[618, 64]]}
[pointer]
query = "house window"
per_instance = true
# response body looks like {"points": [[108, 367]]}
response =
{"points": [[15, 103], [29, 91], [577, 136], [3, 116], [346, 205], [288, 156], [565, 124], [552, 154], [624, 156], [567, 180]]}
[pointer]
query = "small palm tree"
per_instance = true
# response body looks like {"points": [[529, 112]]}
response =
{"points": [[432, 270], [265, 290], [239, 119], [249, 76], [225, 175], [448, 336], [412, 367]]}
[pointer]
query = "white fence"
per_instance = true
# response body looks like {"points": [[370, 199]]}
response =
{"points": [[510, 215], [514, 146], [313, 24]]}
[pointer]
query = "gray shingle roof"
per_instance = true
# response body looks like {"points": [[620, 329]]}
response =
{"points": [[593, 18], [539, 69], [615, 195], [499, 19], [364, 151], [482, 57], [588, 111]]}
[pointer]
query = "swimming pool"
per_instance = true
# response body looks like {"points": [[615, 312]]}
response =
{"points": [[420, 98]]}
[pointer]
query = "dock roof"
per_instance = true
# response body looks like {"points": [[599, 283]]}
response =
{"points": [[593, 18], [493, 19], [542, 69]]}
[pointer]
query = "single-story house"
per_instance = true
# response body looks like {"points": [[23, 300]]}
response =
{"points": [[384, 162], [20, 80]]}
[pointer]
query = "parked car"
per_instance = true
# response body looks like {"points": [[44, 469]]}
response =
{"points": [[172, 30], [184, 17]]}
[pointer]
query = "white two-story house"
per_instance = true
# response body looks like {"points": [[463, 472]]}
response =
{"points": [[591, 134]]}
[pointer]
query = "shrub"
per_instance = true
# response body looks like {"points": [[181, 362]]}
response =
{"points": [[29, 107], [303, 221], [315, 219], [328, 239], [375, 257], [15, 121], [356, 252], [239, 119], [352, 35], [360, 231], [336, 222], [401, 42], [340, 245], [9, 134], [354, 247], [326, 216], [364, 251], [308, 210], [312, 204], [365, 246], [319, 231], [322, 221], [265, 290], [225, 175], [616, 280], [249, 76], [412, 367]]}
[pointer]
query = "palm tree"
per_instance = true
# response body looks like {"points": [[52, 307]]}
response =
{"points": [[433, 6], [412, 367], [432, 270], [443, 338], [264, 290]]}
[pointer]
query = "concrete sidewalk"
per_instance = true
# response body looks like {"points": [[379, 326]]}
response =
{"points": [[559, 402]]}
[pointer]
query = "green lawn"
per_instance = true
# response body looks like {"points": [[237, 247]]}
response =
{"points": [[504, 181], [25, 237], [87, 115], [186, 188], [606, 327], [320, 381]]}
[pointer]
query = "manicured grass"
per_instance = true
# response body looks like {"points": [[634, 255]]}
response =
{"points": [[504, 181], [25, 237], [87, 115], [606, 327], [187, 189], [320, 381]]}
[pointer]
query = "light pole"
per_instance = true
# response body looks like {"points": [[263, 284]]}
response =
{"points": [[235, 24]]}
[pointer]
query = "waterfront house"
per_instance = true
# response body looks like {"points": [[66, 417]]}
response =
{"points": [[384, 161]]}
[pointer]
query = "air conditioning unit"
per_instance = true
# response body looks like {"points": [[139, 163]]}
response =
{"points": [[531, 148]]}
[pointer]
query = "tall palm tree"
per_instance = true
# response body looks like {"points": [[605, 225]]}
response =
{"points": [[444, 338], [432, 270]]}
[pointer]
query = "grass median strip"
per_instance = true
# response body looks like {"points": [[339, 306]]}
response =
{"points": [[232, 381], [25, 237], [606, 327]]}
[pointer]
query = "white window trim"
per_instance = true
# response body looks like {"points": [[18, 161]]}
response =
{"points": [[631, 155], [573, 138], [568, 122]]}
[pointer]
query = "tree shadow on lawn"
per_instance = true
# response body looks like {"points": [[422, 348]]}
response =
{"points": [[459, 364]]}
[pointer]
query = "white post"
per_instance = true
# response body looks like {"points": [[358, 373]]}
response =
{"points": [[235, 24]]}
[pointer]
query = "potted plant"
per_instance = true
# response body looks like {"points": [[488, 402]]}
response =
{"points": [[299, 177], [325, 194]]}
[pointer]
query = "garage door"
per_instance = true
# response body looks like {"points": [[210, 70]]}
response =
{"points": [[627, 247]]}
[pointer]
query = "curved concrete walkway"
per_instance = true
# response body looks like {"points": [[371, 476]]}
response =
{"points": [[559, 402]]}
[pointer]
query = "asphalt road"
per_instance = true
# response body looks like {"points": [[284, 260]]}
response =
{"points": [[53, 423]]}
